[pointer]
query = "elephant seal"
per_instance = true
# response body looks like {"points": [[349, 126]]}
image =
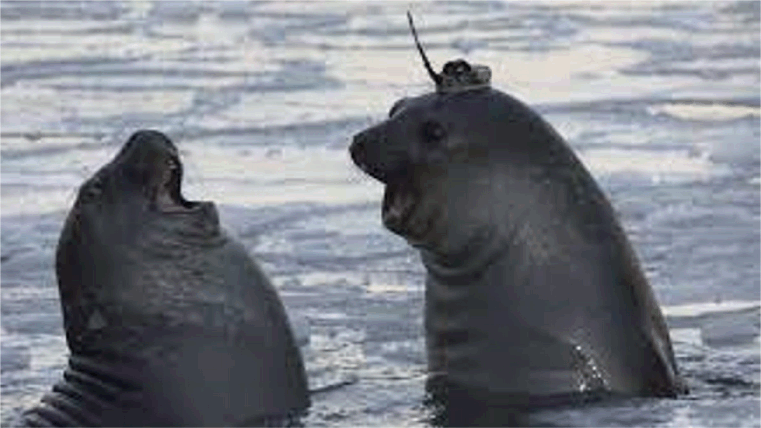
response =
{"points": [[168, 320], [534, 296]]}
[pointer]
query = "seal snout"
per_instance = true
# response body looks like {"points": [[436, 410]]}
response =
{"points": [[364, 156], [358, 152]]}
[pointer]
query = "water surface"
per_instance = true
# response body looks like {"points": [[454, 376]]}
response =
{"points": [[659, 99]]}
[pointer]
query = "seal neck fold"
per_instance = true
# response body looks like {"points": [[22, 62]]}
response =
{"points": [[472, 261], [91, 394]]}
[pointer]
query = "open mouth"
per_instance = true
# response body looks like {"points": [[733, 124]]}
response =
{"points": [[167, 196], [399, 201]]}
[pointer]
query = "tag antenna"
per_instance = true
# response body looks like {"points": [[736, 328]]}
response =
{"points": [[436, 77]]}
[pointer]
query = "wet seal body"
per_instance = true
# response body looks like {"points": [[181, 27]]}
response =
{"points": [[534, 295], [168, 320]]}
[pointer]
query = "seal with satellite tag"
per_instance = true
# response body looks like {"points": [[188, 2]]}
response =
{"points": [[534, 295]]}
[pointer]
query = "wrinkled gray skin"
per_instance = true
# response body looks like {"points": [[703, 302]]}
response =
{"points": [[534, 294], [169, 321]]}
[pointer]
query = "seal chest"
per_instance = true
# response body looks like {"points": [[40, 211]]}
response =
{"points": [[168, 319], [534, 294]]}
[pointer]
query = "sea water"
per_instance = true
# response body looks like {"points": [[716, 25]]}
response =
{"points": [[659, 99]]}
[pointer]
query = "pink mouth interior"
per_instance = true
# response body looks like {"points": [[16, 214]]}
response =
{"points": [[398, 203], [168, 197]]}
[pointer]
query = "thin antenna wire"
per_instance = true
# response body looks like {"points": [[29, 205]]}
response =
{"points": [[436, 78]]}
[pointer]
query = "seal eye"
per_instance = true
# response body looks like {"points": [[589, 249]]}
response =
{"points": [[171, 164], [92, 191], [433, 132]]}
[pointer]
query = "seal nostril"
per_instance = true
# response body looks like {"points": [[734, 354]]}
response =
{"points": [[358, 153]]}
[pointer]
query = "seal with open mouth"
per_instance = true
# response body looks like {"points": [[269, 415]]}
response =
{"points": [[534, 294], [168, 320]]}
